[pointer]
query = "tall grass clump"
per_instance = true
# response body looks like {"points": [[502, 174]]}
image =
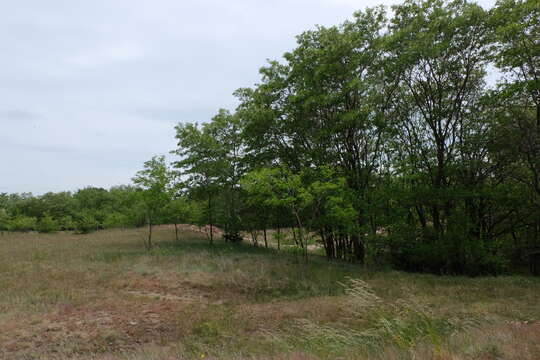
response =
{"points": [[373, 324]]}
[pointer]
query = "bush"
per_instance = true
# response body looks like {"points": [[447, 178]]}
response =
{"points": [[47, 225], [452, 254], [86, 223], [232, 236], [4, 220], [67, 223], [22, 223], [115, 220]]}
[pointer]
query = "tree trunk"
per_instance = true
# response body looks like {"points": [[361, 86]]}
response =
{"points": [[303, 240], [538, 118], [279, 237], [265, 240], [176, 230], [421, 216], [294, 235], [255, 238], [331, 245], [149, 245], [327, 238], [358, 248], [300, 230], [210, 219]]}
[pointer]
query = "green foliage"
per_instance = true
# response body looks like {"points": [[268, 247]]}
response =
{"points": [[155, 183], [22, 223], [4, 219], [212, 164], [66, 223], [86, 210], [47, 224], [86, 222], [515, 30], [207, 330], [424, 251], [379, 136], [116, 220], [182, 211]]}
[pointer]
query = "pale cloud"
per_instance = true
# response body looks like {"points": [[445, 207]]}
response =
{"points": [[17, 115], [109, 54]]}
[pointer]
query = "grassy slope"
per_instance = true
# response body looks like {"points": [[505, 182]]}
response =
{"points": [[101, 296]]}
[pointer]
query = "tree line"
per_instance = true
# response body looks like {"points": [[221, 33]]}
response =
{"points": [[92, 208], [85, 210], [383, 138]]}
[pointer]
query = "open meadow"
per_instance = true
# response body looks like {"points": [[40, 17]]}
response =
{"points": [[103, 296]]}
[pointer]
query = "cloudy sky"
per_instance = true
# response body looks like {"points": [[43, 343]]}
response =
{"points": [[90, 89]]}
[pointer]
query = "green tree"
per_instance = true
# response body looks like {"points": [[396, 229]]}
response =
{"points": [[439, 54], [155, 184], [22, 223], [4, 219], [515, 34], [280, 187], [326, 106], [47, 224], [202, 165], [180, 211]]}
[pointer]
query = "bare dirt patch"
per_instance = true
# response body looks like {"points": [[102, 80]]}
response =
{"points": [[112, 324]]}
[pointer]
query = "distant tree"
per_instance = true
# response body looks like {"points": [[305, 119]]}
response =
{"points": [[22, 223], [86, 222], [4, 219], [115, 220], [57, 204], [180, 211], [67, 223], [47, 224], [92, 198], [155, 184], [226, 129], [280, 187], [201, 165]]}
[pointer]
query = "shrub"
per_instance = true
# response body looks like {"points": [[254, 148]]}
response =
{"points": [[22, 223], [232, 236], [86, 223], [451, 254], [4, 220], [47, 224], [115, 220], [67, 223]]}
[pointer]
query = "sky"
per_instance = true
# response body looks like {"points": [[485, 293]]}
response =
{"points": [[91, 89]]}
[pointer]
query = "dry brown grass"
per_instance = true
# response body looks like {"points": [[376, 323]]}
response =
{"points": [[102, 296]]}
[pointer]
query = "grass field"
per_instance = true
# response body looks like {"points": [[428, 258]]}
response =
{"points": [[102, 296]]}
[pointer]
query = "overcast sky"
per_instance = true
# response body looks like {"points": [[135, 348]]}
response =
{"points": [[91, 89]]}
